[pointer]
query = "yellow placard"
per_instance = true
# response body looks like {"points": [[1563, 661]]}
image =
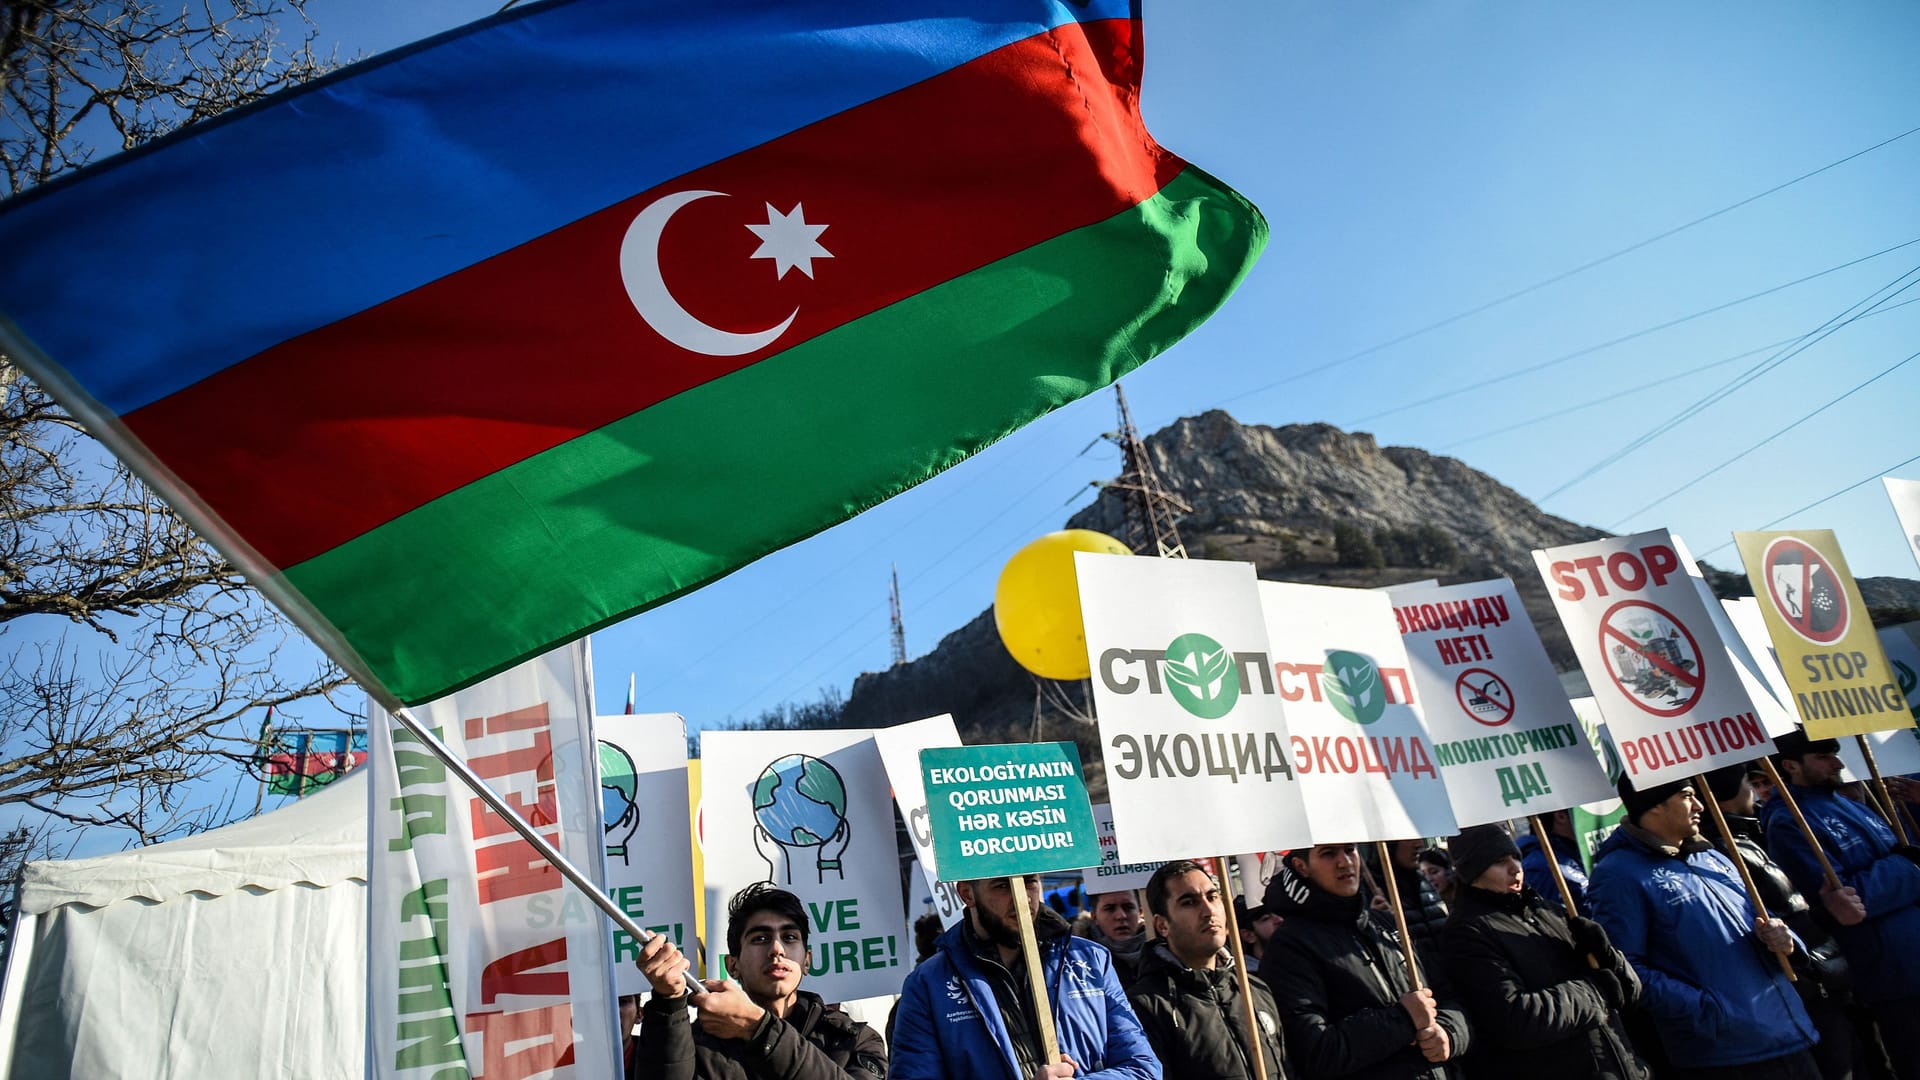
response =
{"points": [[699, 869], [1828, 648]]}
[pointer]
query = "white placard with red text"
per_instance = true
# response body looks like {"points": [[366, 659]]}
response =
{"points": [[1360, 744], [1112, 875], [481, 958], [1660, 674], [1191, 730], [1505, 737], [811, 812]]}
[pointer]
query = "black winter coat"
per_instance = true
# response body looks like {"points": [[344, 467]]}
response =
{"points": [[1534, 1009], [1337, 976], [1821, 967], [816, 1041], [1195, 1021], [1426, 912]]}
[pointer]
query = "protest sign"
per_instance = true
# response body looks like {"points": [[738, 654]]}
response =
{"points": [[1361, 749], [1593, 821], [1196, 748], [1112, 875], [643, 809], [899, 748], [1751, 627], [1018, 808], [1505, 738], [1905, 496], [1821, 631], [1656, 665], [1774, 712], [482, 960], [809, 812], [1898, 750], [938, 897]]}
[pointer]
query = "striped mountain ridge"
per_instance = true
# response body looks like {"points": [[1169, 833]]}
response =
{"points": [[1274, 496]]}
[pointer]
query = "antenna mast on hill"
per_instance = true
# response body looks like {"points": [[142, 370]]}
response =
{"points": [[1150, 507], [899, 628]]}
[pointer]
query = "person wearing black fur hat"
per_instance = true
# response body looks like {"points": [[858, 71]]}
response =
{"points": [[1345, 1001], [1708, 963], [1540, 1006]]}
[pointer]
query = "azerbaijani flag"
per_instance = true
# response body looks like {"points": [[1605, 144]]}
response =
{"points": [[470, 349]]}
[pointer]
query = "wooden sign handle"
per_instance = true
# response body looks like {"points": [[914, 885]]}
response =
{"points": [[1036, 979], [1780, 789], [1254, 1049], [1880, 784], [1399, 914], [1705, 795], [1559, 877]]}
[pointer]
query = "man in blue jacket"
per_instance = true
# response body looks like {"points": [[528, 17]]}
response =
{"points": [[1566, 852], [967, 1012], [1713, 983], [1883, 952]]}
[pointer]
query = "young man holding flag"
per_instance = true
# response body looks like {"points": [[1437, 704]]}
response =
{"points": [[762, 1028]]}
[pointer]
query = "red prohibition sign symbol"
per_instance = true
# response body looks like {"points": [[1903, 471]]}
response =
{"points": [[1806, 592], [1652, 657], [1484, 696]]}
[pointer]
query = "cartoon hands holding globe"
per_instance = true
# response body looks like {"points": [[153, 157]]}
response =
{"points": [[800, 818]]}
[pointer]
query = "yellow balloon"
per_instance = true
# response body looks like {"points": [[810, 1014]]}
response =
{"points": [[1036, 603]]}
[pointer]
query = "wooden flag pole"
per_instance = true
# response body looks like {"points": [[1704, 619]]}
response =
{"points": [[1036, 979], [1254, 1050], [1559, 876], [1704, 794], [1780, 789], [1399, 915], [1880, 784]]}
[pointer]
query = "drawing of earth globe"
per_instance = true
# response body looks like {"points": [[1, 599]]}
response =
{"points": [[800, 801]]}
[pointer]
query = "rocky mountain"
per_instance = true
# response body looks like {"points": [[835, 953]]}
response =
{"points": [[1304, 502]]}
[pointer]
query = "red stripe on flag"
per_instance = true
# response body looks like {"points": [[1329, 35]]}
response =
{"points": [[379, 413]]}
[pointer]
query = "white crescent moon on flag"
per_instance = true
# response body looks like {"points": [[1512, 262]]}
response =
{"points": [[640, 270]]}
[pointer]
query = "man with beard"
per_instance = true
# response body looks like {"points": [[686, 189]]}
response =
{"points": [[1346, 1003], [1883, 949], [1708, 963], [763, 1027], [968, 1010], [1188, 994], [1116, 924]]}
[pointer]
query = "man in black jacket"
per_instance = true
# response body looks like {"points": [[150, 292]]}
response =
{"points": [[1346, 1003], [1187, 995], [763, 1027], [1544, 991], [1823, 979]]}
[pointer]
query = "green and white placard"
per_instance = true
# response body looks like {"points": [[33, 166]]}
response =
{"points": [[1018, 808]]}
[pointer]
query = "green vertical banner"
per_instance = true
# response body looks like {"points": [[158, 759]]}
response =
{"points": [[1593, 821], [1018, 808]]}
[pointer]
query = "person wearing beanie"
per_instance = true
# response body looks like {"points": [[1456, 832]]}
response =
{"points": [[1543, 991], [1346, 1004], [1824, 984], [1883, 949], [1708, 963]]}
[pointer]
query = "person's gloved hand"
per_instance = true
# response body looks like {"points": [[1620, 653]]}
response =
{"points": [[1590, 937], [1610, 987]]}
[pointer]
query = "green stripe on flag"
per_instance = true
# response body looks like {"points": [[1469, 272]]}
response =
{"points": [[671, 498]]}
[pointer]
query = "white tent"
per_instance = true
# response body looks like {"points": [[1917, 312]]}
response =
{"points": [[237, 952]]}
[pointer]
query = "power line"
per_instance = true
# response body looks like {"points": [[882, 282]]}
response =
{"points": [[1563, 275], [1622, 339], [1714, 397], [1823, 500], [1615, 527], [1630, 391]]}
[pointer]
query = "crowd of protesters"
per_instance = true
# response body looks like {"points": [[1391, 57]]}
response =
{"points": [[1663, 968]]}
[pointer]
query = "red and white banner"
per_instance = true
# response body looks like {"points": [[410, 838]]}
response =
{"points": [[482, 960]]}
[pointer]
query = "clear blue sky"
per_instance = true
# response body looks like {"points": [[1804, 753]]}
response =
{"points": [[1417, 160]]}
